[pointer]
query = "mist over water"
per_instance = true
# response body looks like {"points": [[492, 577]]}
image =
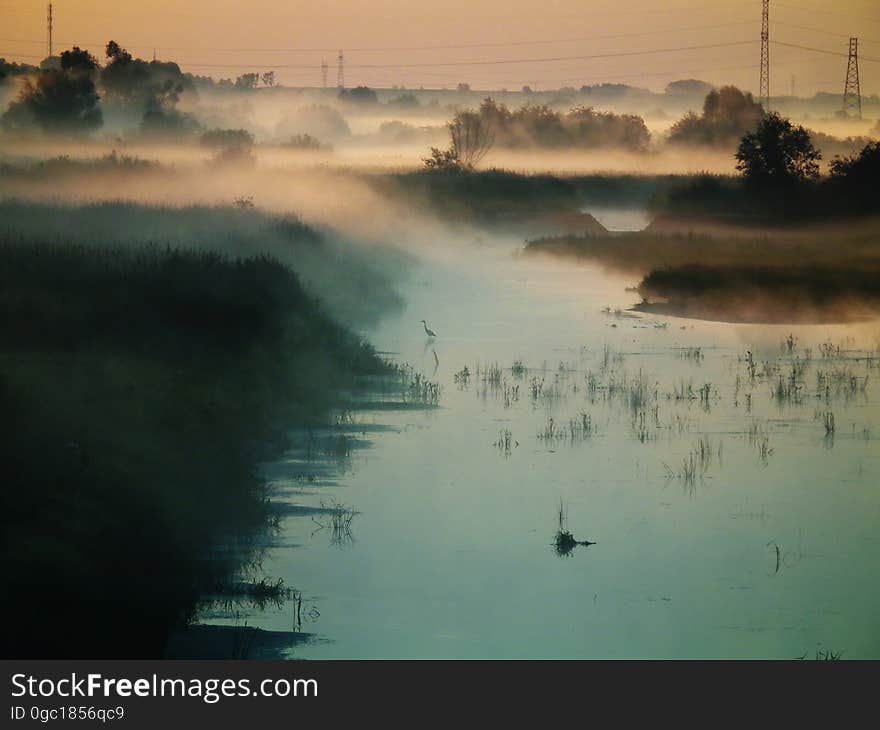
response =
{"points": [[451, 553]]}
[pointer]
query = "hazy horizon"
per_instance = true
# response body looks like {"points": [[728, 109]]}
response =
{"points": [[386, 42]]}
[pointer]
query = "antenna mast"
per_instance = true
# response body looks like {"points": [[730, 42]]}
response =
{"points": [[340, 71], [852, 95], [764, 93], [49, 28]]}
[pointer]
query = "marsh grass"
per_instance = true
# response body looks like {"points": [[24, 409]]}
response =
{"points": [[505, 443], [578, 428], [257, 594], [140, 387], [695, 466], [417, 389], [759, 438]]}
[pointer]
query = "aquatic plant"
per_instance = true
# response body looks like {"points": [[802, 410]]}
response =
{"points": [[564, 541]]}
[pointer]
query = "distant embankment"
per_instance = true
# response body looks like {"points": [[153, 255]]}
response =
{"points": [[532, 203], [789, 276]]}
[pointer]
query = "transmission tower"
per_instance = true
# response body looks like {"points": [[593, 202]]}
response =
{"points": [[764, 94], [340, 71], [324, 70], [852, 95], [49, 28]]}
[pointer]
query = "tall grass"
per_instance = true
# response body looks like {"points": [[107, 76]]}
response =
{"points": [[139, 389]]}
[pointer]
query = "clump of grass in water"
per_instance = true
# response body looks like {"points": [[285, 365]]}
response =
{"points": [[695, 354], [824, 655], [610, 358], [760, 439], [536, 388], [565, 542], [505, 442], [695, 466], [339, 518], [462, 377], [421, 390], [492, 375], [258, 594], [828, 423], [518, 370], [579, 429], [682, 391]]}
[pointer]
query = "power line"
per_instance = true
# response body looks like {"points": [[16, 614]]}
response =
{"points": [[823, 50], [442, 64], [820, 30], [463, 46]]}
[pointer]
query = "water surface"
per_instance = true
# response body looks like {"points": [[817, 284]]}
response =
{"points": [[766, 547]]}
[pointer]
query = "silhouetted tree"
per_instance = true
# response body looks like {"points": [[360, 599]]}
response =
{"points": [[442, 159], [247, 81], [162, 116], [777, 152], [359, 95], [407, 101], [225, 138], [78, 60], [728, 113], [587, 127], [9, 69], [862, 169], [472, 138], [61, 100], [268, 78], [146, 89], [541, 126], [231, 145]]}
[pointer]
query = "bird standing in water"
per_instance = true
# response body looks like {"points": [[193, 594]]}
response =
{"points": [[428, 331]]}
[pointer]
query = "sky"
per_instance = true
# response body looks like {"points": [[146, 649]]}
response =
{"points": [[489, 44]]}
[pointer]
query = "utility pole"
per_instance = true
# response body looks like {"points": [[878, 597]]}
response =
{"points": [[324, 69], [49, 28], [340, 71], [852, 95], [764, 93]]}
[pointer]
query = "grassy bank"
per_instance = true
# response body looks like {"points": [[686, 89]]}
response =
{"points": [[321, 258], [761, 294], [731, 200], [804, 275], [140, 387], [498, 196]]}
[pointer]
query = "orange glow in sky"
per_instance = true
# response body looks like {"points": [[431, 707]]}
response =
{"points": [[490, 44]]}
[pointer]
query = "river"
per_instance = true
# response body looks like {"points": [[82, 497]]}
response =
{"points": [[731, 517]]}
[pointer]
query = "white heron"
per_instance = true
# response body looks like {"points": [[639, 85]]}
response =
{"points": [[428, 331]]}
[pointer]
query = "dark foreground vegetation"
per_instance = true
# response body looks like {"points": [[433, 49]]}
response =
{"points": [[140, 387]]}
